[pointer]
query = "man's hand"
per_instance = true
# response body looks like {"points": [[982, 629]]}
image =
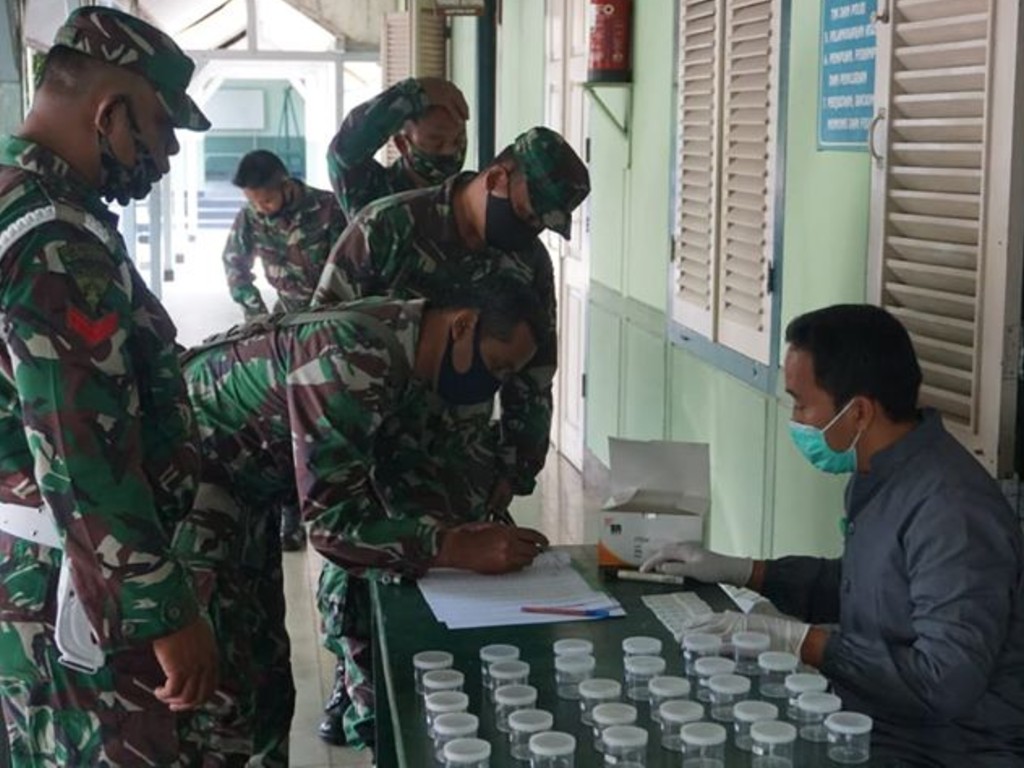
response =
{"points": [[787, 634], [189, 660], [445, 94], [489, 547], [691, 559]]}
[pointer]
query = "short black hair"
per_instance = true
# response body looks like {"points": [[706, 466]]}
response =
{"points": [[419, 116], [860, 349], [506, 158], [503, 303], [259, 169], [68, 72]]}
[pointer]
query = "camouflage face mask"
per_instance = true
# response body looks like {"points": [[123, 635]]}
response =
{"points": [[435, 169], [120, 182]]}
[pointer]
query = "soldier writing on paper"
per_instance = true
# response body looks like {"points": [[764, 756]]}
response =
{"points": [[341, 406]]}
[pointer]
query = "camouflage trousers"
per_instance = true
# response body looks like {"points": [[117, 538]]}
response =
{"points": [[463, 456], [58, 717], [234, 551], [344, 603]]}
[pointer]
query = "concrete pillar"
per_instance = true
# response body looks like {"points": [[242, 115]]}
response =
{"points": [[11, 66]]}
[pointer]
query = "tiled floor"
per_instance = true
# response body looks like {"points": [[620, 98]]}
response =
{"points": [[560, 507]]}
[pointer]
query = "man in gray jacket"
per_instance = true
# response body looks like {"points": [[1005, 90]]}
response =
{"points": [[920, 623]]}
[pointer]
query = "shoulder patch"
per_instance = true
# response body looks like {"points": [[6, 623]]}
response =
{"points": [[91, 267], [92, 331]]}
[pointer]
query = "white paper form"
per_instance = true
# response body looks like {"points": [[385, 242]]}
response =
{"points": [[464, 600]]}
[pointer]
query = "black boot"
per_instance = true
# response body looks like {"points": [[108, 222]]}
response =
{"points": [[332, 727]]}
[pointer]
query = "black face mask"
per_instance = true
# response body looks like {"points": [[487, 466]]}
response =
{"points": [[117, 180], [477, 385], [503, 229]]}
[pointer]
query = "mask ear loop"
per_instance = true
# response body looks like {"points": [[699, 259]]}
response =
{"points": [[856, 439], [836, 418]]}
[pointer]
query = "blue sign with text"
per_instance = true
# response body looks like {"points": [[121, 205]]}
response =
{"points": [[847, 94]]}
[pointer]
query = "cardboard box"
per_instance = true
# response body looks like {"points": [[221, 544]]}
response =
{"points": [[660, 492]]}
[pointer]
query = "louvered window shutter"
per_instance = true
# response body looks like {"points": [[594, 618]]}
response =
{"points": [[697, 166], [430, 46], [945, 238], [750, 92], [395, 59], [402, 55], [728, 99], [396, 48]]}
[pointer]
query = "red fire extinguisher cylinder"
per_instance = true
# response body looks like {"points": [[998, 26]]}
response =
{"points": [[611, 58]]}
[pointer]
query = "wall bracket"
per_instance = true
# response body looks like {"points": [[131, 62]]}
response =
{"points": [[615, 100]]}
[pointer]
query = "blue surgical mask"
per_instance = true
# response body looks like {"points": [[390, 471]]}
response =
{"points": [[811, 442], [477, 385]]}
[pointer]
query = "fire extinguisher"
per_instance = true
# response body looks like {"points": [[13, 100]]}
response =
{"points": [[610, 41]]}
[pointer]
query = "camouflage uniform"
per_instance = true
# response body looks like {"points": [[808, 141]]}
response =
{"points": [[293, 245], [356, 177], [95, 423], [408, 245], [325, 408]]}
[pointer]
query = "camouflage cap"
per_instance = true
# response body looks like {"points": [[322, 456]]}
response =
{"points": [[126, 41], [556, 179]]}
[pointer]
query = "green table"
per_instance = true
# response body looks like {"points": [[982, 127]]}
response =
{"points": [[404, 625]]}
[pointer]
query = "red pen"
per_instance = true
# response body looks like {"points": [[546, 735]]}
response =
{"points": [[594, 613]]}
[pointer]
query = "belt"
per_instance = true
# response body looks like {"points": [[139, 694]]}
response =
{"points": [[72, 632]]}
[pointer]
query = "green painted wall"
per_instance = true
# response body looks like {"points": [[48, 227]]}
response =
{"points": [[609, 160], [765, 498], [825, 259], [706, 406], [652, 121]]}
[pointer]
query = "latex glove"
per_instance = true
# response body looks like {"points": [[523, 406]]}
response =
{"points": [[786, 634], [687, 558]]}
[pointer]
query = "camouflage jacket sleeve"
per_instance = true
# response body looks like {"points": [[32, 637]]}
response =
{"points": [[526, 399], [80, 344], [357, 178], [337, 404], [361, 261], [239, 257]]}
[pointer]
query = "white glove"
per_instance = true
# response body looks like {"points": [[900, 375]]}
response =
{"points": [[786, 634], [687, 558]]}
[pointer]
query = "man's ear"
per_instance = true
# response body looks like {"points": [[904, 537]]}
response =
{"points": [[401, 144], [864, 411], [496, 179], [464, 323], [107, 112]]}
